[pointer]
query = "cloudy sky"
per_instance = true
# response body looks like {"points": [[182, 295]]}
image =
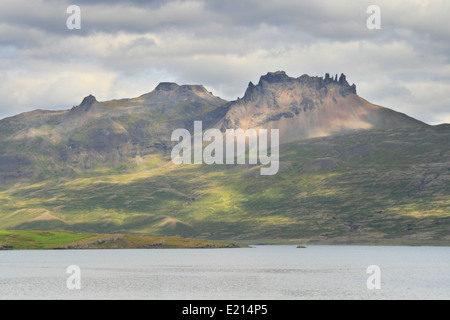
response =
{"points": [[126, 47]]}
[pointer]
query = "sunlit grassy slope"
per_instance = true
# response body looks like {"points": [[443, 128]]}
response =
{"points": [[19, 239], [374, 187]]}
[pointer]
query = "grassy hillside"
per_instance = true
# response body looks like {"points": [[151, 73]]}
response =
{"points": [[373, 187], [69, 240]]}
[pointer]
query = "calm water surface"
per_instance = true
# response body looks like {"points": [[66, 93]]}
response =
{"points": [[261, 272]]}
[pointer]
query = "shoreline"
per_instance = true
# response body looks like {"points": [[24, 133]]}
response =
{"points": [[68, 240]]}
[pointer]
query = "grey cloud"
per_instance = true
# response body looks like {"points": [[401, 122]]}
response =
{"points": [[223, 45], [136, 3]]}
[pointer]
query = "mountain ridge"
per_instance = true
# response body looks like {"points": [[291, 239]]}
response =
{"points": [[122, 131], [350, 171], [308, 107]]}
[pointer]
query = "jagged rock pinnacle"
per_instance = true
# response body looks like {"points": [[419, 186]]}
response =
{"points": [[313, 82], [86, 104], [89, 100]]}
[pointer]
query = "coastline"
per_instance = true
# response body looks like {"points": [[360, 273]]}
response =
{"points": [[64, 240], [68, 240]]}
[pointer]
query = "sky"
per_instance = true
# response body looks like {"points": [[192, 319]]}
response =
{"points": [[124, 48]]}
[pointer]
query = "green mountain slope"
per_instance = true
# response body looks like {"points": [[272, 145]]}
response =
{"points": [[367, 187]]}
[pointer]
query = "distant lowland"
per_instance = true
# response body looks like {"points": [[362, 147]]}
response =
{"points": [[35, 240], [350, 172]]}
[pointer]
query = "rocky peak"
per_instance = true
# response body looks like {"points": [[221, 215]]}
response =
{"points": [[319, 83], [86, 104], [173, 87], [167, 86], [274, 77], [343, 80], [301, 107], [274, 81], [88, 101]]}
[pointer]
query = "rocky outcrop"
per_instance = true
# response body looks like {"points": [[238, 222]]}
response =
{"points": [[101, 242], [87, 104], [5, 246], [307, 107]]}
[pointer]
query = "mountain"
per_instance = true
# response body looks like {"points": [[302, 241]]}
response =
{"points": [[309, 107], [44, 144], [350, 171]]}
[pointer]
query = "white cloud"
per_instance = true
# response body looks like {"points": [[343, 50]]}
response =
{"points": [[45, 86]]}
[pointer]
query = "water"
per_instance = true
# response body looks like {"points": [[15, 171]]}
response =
{"points": [[262, 272]]}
